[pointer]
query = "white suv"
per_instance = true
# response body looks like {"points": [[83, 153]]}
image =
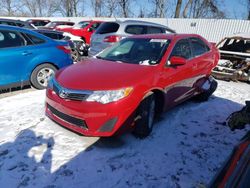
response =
{"points": [[109, 33]]}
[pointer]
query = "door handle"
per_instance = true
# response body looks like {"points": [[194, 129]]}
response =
{"points": [[25, 53]]}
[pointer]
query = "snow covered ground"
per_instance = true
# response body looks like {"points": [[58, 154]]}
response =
{"points": [[188, 145]]}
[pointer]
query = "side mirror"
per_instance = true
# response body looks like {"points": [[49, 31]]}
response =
{"points": [[175, 60], [90, 29]]}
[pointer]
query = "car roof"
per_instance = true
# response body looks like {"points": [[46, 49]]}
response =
{"points": [[37, 20], [62, 22], [47, 31], [165, 36], [139, 22], [20, 29], [12, 20]]}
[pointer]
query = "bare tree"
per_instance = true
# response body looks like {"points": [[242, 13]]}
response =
{"points": [[10, 7], [71, 8], [159, 8], [124, 5], [40, 8], [206, 9], [185, 11], [110, 7], [248, 9], [97, 6], [178, 9]]}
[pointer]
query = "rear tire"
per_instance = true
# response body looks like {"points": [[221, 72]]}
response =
{"points": [[145, 117], [204, 96], [41, 74]]}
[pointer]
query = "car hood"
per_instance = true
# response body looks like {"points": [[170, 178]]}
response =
{"points": [[97, 74]]}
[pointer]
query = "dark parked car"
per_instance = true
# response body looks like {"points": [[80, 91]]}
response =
{"points": [[17, 23], [29, 57], [56, 35], [38, 22], [77, 45]]}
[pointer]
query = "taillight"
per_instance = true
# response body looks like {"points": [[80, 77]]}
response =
{"points": [[66, 49], [112, 38]]}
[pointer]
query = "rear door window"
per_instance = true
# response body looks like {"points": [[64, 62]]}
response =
{"points": [[10, 39], [198, 46], [35, 40], [153, 30], [135, 29], [107, 27]]}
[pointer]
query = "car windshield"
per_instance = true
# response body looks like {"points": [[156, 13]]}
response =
{"points": [[81, 25], [136, 51]]}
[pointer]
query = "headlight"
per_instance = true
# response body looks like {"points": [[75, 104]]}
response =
{"points": [[108, 96]]}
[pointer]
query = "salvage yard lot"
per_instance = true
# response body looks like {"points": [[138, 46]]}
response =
{"points": [[186, 148]]}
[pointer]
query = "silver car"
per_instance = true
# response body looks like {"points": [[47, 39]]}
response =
{"points": [[111, 32]]}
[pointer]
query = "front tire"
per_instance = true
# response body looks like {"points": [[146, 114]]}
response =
{"points": [[41, 74], [145, 117], [75, 55]]}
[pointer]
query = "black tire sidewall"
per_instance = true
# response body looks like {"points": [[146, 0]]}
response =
{"points": [[142, 127]]}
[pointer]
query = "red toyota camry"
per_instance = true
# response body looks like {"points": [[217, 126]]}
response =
{"points": [[128, 84]]}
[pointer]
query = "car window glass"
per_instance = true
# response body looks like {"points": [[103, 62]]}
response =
{"points": [[10, 39], [198, 46], [136, 51], [60, 36], [123, 48], [134, 29], [95, 26], [182, 49], [1, 36], [51, 35], [7, 23], [82, 24], [107, 27], [20, 24], [152, 30], [35, 40]]}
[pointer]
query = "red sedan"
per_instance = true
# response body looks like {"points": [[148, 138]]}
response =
{"points": [[83, 29], [127, 85]]}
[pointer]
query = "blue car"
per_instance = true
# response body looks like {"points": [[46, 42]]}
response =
{"points": [[27, 57]]}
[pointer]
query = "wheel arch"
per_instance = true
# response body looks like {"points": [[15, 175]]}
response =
{"points": [[53, 64], [159, 99]]}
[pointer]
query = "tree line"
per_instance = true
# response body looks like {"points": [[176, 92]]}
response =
{"points": [[115, 8]]}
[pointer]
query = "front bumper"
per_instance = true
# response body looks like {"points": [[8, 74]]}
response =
{"points": [[90, 118]]}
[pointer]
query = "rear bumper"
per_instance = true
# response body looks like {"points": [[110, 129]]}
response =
{"points": [[90, 118]]}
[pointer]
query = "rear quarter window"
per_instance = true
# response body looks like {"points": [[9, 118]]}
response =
{"points": [[153, 30], [108, 27], [135, 29], [198, 47], [35, 40]]}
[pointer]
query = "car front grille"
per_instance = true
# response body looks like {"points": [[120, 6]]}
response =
{"points": [[78, 95], [72, 120]]}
